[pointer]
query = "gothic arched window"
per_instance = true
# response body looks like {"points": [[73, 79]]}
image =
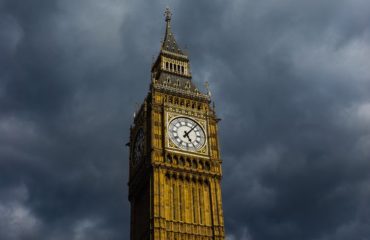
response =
{"points": [[169, 158]]}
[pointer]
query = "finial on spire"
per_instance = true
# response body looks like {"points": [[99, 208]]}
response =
{"points": [[167, 14], [206, 84]]}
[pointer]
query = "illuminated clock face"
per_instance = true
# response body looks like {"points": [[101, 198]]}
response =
{"points": [[186, 133], [138, 149]]}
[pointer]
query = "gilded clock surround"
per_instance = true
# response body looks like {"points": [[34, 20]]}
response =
{"points": [[175, 193], [170, 116]]}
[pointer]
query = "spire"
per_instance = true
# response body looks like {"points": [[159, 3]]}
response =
{"points": [[169, 42], [167, 14]]}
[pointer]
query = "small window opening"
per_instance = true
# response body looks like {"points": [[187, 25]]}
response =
{"points": [[207, 166], [181, 161], [175, 160]]}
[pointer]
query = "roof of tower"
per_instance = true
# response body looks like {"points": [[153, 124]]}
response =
{"points": [[174, 76], [169, 43]]}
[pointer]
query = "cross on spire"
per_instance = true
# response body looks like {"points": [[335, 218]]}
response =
{"points": [[167, 14]]}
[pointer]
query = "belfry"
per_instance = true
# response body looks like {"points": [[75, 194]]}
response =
{"points": [[175, 165]]}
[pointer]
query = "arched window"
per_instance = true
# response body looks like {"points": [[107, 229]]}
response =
{"points": [[201, 165], [169, 158], [195, 164], [188, 162], [188, 84], [175, 160], [181, 161], [166, 65], [207, 166]]}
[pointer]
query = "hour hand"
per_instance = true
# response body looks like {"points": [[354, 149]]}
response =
{"points": [[186, 134]]}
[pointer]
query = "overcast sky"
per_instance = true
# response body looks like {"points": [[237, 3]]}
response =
{"points": [[290, 80]]}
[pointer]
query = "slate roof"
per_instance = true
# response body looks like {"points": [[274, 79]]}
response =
{"points": [[169, 43]]}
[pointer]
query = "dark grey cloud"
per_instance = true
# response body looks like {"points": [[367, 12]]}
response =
{"points": [[290, 80]]}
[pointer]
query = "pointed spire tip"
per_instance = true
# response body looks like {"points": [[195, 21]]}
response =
{"points": [[167, 14]]}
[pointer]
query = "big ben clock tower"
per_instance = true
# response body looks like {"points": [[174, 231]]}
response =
{"points": [[175, 165]]}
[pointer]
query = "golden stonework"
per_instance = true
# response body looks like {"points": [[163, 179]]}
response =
{"points": [[175, 165]]}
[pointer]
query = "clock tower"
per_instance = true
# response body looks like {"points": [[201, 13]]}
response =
{"points": [[175, 164]]}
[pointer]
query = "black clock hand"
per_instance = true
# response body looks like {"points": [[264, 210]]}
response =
{"points": [[187, 133]]}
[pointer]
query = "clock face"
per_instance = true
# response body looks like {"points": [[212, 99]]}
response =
{"points": [[138, 150], [186, 134]]}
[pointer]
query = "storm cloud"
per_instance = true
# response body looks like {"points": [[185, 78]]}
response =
{"points": [[290, 81]]}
